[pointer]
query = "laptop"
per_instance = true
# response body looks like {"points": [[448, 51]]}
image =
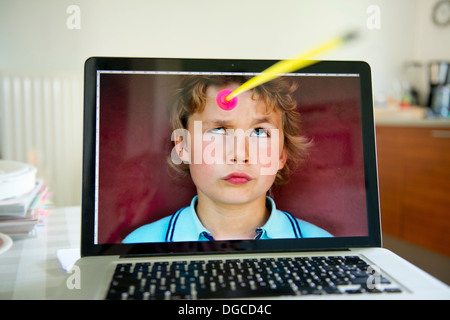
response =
{"points": [[153, 230]]}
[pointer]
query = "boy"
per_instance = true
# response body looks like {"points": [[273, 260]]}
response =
{"points": [[233, 157]]}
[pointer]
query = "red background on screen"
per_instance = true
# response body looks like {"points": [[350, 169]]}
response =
{"points": [[135, 188]]}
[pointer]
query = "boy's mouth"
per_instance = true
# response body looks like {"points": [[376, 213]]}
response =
{"points": [[237, 178]]}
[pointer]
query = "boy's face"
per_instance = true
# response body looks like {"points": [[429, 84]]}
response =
{"points": [[241, 149]]}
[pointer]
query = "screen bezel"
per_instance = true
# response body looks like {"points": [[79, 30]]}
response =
{"points": [[88, 246]]}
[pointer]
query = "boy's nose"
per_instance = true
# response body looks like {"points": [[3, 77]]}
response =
{"points": [[238, 152], [236, 160]]}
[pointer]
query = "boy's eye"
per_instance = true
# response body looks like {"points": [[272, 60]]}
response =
{"points": [[260, 133], [220, 130]]}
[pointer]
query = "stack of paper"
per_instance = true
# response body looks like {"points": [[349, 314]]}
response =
{"points": [[20, 199]]}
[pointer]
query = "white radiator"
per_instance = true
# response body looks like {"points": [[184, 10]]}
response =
{"points": [[41, 124]]}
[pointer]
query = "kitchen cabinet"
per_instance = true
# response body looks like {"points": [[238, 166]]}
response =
{"points": [[414, 182]]}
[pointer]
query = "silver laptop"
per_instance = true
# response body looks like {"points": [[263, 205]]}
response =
{"points": [[271, 195]]}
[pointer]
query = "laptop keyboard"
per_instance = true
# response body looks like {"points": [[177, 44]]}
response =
{"points": [[239, 278]]}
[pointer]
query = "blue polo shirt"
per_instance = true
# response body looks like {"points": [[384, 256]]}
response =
{"points": [[184, 225]]}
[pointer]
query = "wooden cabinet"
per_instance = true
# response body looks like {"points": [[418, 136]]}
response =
{"points": [[414, 182]]}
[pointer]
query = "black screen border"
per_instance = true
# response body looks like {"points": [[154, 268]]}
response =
{"points": [[88, 246]]}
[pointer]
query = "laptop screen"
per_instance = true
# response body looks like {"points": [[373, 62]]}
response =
{"points": [[166, 169]]}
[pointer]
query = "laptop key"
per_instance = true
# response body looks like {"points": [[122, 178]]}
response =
{"points": [[243, 292], [392, 290]]}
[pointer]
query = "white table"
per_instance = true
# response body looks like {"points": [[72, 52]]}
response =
{"points": [[30, 269]]}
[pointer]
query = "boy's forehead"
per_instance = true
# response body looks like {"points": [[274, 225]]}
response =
{"points": [[249, 106]]}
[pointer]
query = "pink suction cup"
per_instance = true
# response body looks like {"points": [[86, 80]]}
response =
{"points": [[223, 103]]}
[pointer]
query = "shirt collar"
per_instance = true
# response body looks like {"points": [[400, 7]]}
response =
{"points": [[201, 232], [273, 218], [272, 224]]}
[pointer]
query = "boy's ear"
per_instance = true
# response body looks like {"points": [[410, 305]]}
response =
{"points": [[283, 159], [181, 148]]}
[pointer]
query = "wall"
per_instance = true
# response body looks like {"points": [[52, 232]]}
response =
{"points": [[37, 38]]}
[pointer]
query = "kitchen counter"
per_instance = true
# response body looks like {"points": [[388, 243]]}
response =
{"points": [[427, 122], [413, 116]]}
